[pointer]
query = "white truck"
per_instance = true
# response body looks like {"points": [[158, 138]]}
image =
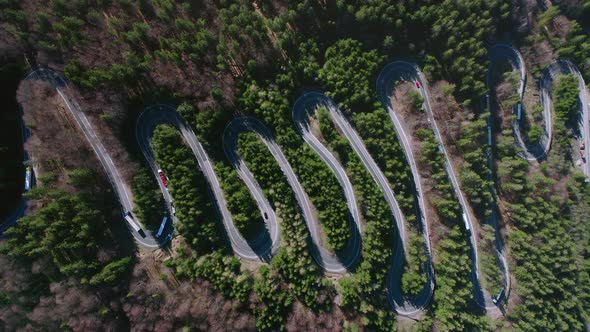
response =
{"points": [[131, 222], [466, 221]]}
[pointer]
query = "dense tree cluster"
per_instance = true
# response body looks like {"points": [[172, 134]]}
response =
{"points": [[275, 300], [566, 99], [352, 88], [271, 104], [475, 173], [207, 254], [358, 291], [453, 33], [241, 204], [199, 49], [446, 203], [293, 260], [195, 211], [66, 231], [149, 202], [454, 292], [223, 271], [368, 116], [545, 259], [413, 278], [576, 48]]}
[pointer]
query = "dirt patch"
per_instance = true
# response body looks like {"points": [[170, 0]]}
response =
{"points": [[56, 144], [412, 120]]}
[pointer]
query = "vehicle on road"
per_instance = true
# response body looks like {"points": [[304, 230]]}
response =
{"points": [[28, 177], [499, 297], [131, 222], [173, 208], [418, 84], [265, 216], [162, 226], [466, 221], [163, 178]]}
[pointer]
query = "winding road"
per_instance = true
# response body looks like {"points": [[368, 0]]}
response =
{"points": [[260, 248], [330, 262], [402, 70], [407, 306], [122, 189], [503, 52], [266, 244], [301, 110]]}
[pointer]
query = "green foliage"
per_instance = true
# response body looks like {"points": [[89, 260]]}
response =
{"points": [[14, 19], [348, 73], [545, 260], [566, 99], [545, 268], [221, 270], [275, 301], [245, 213], [416, 101], [149, 202], [548, 16], [414, 278], [576, 48], [239, 25], [454, 292], [272, 105], [493, 278], [364, 292], [112, 272], [191, 41], [196, 213], [446, 204], [451, 33], [534, 134], [66, 229], [475, 173], [293, 260], [372, 122]]}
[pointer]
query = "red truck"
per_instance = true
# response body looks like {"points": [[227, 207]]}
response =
{"points": [[163, 178]]}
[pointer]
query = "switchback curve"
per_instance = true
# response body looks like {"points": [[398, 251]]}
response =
{"points": [[325, 259], [121, 187], [399, 70], [260, 248], [301, 111]]}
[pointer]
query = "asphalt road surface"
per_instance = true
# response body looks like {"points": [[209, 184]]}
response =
{"points": [[402, 70], [303, 108], [145, 239], [330, 262], [403, 305], [165, 114]]}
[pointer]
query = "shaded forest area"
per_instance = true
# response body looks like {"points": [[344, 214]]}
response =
{"points": [[12, 168]]}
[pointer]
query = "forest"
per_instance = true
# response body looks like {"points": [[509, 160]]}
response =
{"points": [[217, 60]]}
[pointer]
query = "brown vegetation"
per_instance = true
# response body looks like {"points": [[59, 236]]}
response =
{"points": [[56, 144], [160, 304]]}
